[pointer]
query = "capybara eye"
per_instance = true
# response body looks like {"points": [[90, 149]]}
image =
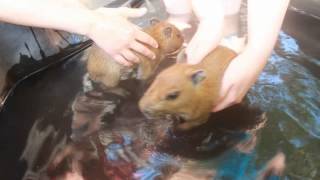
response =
{"points": [[173, 95]]}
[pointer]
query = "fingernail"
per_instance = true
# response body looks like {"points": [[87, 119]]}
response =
{"points": [[153, 56]]}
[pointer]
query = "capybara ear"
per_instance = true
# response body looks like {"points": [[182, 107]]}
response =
{"points": [[198, 76], [168, 32], [154, 21], [182, 56]]}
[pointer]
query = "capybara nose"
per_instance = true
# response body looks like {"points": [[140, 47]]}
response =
{"points": [[143, 105], [146, 107], [147, 111]]}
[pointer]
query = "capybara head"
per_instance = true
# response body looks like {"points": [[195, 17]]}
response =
{"points": [[179, 92], [188, 91], [169, 38], [170, 41]]}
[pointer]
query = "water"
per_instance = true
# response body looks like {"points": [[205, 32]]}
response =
{"points": [[45, 110]]}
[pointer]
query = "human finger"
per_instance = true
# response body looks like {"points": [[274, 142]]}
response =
{"points": [[194, 53], [226, 100], [138, 47], [194, 49], [122, 60], [191, 54], [146, 38], [130, 56]]}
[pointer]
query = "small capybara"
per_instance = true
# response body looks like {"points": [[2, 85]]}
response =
{"points": [[186, 92], [103, 69]]}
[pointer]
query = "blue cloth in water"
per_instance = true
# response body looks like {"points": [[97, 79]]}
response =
{"points": [[236, 165]]}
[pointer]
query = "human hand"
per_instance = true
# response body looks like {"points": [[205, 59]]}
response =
{"points": [[118, 37], [209, 32], [240, 75], [264, 23], [202, 42]]}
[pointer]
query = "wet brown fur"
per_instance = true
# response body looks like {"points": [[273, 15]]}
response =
{"points": [[197, 86], [103, 69]]}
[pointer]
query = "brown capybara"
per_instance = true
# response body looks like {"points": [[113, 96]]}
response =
{"points": [[186, 92], [103, 69]]}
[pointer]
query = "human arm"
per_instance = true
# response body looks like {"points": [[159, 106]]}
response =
{"points": [[209, 14], [180, 12], [108, 27], [265, 18]]}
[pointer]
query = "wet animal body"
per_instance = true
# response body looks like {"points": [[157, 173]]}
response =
{"points": [[187, 93], [103, 69]]}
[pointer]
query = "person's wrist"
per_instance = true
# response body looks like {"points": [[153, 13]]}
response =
{"points": [[91, 22], [85, 22]]}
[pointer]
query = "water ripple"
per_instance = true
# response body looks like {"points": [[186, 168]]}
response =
{"points": [[287, 84]]}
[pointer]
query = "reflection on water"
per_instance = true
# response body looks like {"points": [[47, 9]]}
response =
{"points": [[58, 138], [128, 146], [109, 138], [37, 138]]}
